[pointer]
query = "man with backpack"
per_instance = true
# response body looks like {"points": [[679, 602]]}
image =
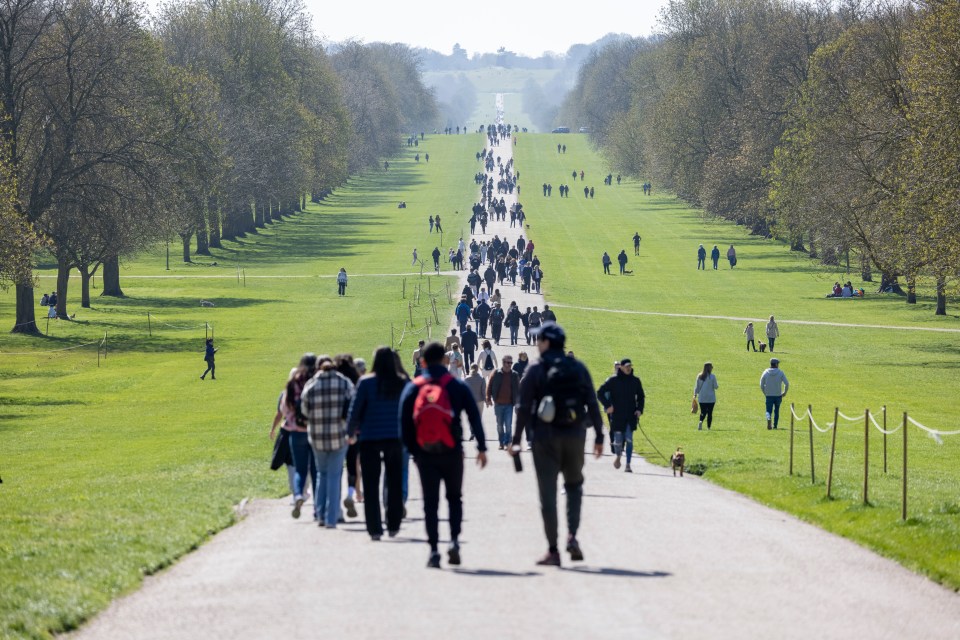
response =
{"points": [[430, 409], [622, 398], [557, 401], [497, 316]]}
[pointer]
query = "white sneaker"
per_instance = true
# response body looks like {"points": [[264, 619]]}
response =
{"points": [[700, 426]]}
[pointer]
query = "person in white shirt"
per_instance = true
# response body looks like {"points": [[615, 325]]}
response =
{"points": [[705, 391], [456, 362], [774, 385]]}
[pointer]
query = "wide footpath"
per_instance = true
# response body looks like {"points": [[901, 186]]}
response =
{"points": [[666, 557]]}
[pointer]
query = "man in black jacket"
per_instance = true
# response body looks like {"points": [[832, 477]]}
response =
{"points": [[497, 317], [444, 467], [482, 314], [468, 344], [622, 398], [558, 444]]}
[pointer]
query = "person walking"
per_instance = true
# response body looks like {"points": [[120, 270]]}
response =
{"points": [[497, 316], [636, 243], [481, 313], [622, 259], [478, 386], [701, 258], [430, 410], [513, 322], [304, 469], [715, 256], [342, 282], [557, 403], [209, 355], [414, 263], [773, 332], [436, 259], [462, 312], [502, 394], [606, 263], [732, 256], [487, 360], [324, 401], [451, 340], [705, 392], [373, 420], [436, 223], [748, 331], [622, 398], [455, 358], [774, 385], [431, 224], [468, 345]]}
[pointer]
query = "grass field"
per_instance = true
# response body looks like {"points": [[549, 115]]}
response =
{"points": [[111, 473], [828, 366]]}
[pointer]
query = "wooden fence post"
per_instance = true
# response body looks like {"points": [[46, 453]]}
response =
{"points": [[903, 509], [791, 438], [833, 448], [866, 455], [149, 329], [404, 291], [410, 311], [391, 335], [813, 477]]}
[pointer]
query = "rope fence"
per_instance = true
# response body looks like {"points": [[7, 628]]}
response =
{"points": [[869, 422], [100, 344]]}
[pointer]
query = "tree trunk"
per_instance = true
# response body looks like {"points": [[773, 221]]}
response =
{"points": [[84, 286], [186, 238], [26, 317], [297, 206], [203, 239], [213, 222], [941, 296], [260, 219], [275, 210], [865, 269], [250, 217], [303, 201], [111, 277], [63, 284], [911, 289]]}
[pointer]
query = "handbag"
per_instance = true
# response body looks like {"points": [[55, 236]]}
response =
{"points": [[694, 407], [281, 450]]}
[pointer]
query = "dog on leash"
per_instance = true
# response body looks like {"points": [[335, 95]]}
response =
{"points": [[678, 461], [763, 347]]}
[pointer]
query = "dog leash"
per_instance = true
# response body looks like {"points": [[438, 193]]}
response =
{"points": [[651, 444]]}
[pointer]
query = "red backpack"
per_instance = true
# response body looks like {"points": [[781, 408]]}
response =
{"points": [[433, 414]]}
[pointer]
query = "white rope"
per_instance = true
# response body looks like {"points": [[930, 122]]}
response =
{"points": [[814, 423], [175, 326], [934, 433], [881, 429], [857, 419], [798, 417], [33, 353]]}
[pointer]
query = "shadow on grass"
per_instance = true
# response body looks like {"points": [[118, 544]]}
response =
{"points": [[37, 402], [152, 303]]}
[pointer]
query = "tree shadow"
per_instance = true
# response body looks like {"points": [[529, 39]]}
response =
{"points": [[618, 573], [495, 573], [37, 402], [601, 495], [190, 303]]}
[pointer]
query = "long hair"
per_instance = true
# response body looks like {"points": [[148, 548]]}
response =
{"points": [[343, 363], [389, 382], [707, 368]]}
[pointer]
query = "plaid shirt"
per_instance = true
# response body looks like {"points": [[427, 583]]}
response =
{"points": [[324, 402]]}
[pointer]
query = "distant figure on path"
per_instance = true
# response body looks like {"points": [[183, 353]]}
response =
{"points": [[715, 256], [774, 385], [606, 263], [636, 243], [701, 258], [431, 224], [749, 333], [434, 439], [622, 259], [732, 256], [342, 282], [414, 256], [436, 259], [208, 357], [436, 223], [773, 332]]}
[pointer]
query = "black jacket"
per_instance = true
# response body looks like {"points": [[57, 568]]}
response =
{"points": [[468, 341], [625, 394], [497, 379]]}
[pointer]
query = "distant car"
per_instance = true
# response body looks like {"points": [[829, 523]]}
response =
{"points": [[584, 129], [561, 130]]}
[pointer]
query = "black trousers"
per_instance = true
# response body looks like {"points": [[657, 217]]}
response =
{"points": [[352, 453], [468, 359], [496, 329], [553, 455], [389, 454], [448, 469], [706, 410]]}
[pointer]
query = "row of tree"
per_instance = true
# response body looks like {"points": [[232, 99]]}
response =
{"points": [[833, 126], [218, 118]]}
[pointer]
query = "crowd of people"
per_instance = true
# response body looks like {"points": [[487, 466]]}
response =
{"points": [[715, 257]]}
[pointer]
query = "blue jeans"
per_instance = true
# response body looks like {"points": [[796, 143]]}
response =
{"points": [[326, 493], [504, 414], [303, 463], [773, 404], [514, 331], [621, 437], [771, 341]]}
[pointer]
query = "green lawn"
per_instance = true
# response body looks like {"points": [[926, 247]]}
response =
{"points": [[828, 366], [111, 473]]}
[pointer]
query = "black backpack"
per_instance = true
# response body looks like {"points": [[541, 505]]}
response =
{"points": [[563, 383]]}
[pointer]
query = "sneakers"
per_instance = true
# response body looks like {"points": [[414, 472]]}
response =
{"points": [[573, 547], [393, 533], [453, 554], [628, 469], [296, 508], [700, 426], [552, 559], [351, 508], [376, 536], [616, 462], [434, 561], [768, 424]]}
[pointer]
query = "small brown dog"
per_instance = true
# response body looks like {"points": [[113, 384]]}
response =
{"points": [[677, 461], [763, 347]]}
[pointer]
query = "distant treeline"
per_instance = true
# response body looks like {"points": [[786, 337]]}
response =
{"points": [[207, 123], [834, 126]]}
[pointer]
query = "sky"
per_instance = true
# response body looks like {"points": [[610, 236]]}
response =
{"points": [[527, 27]]}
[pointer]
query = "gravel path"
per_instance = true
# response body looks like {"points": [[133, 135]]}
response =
{"points": [[666, 557]]}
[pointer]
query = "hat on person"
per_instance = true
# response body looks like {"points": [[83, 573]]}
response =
{"points": [[550, 331], [774, 362], [625, 362]]}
